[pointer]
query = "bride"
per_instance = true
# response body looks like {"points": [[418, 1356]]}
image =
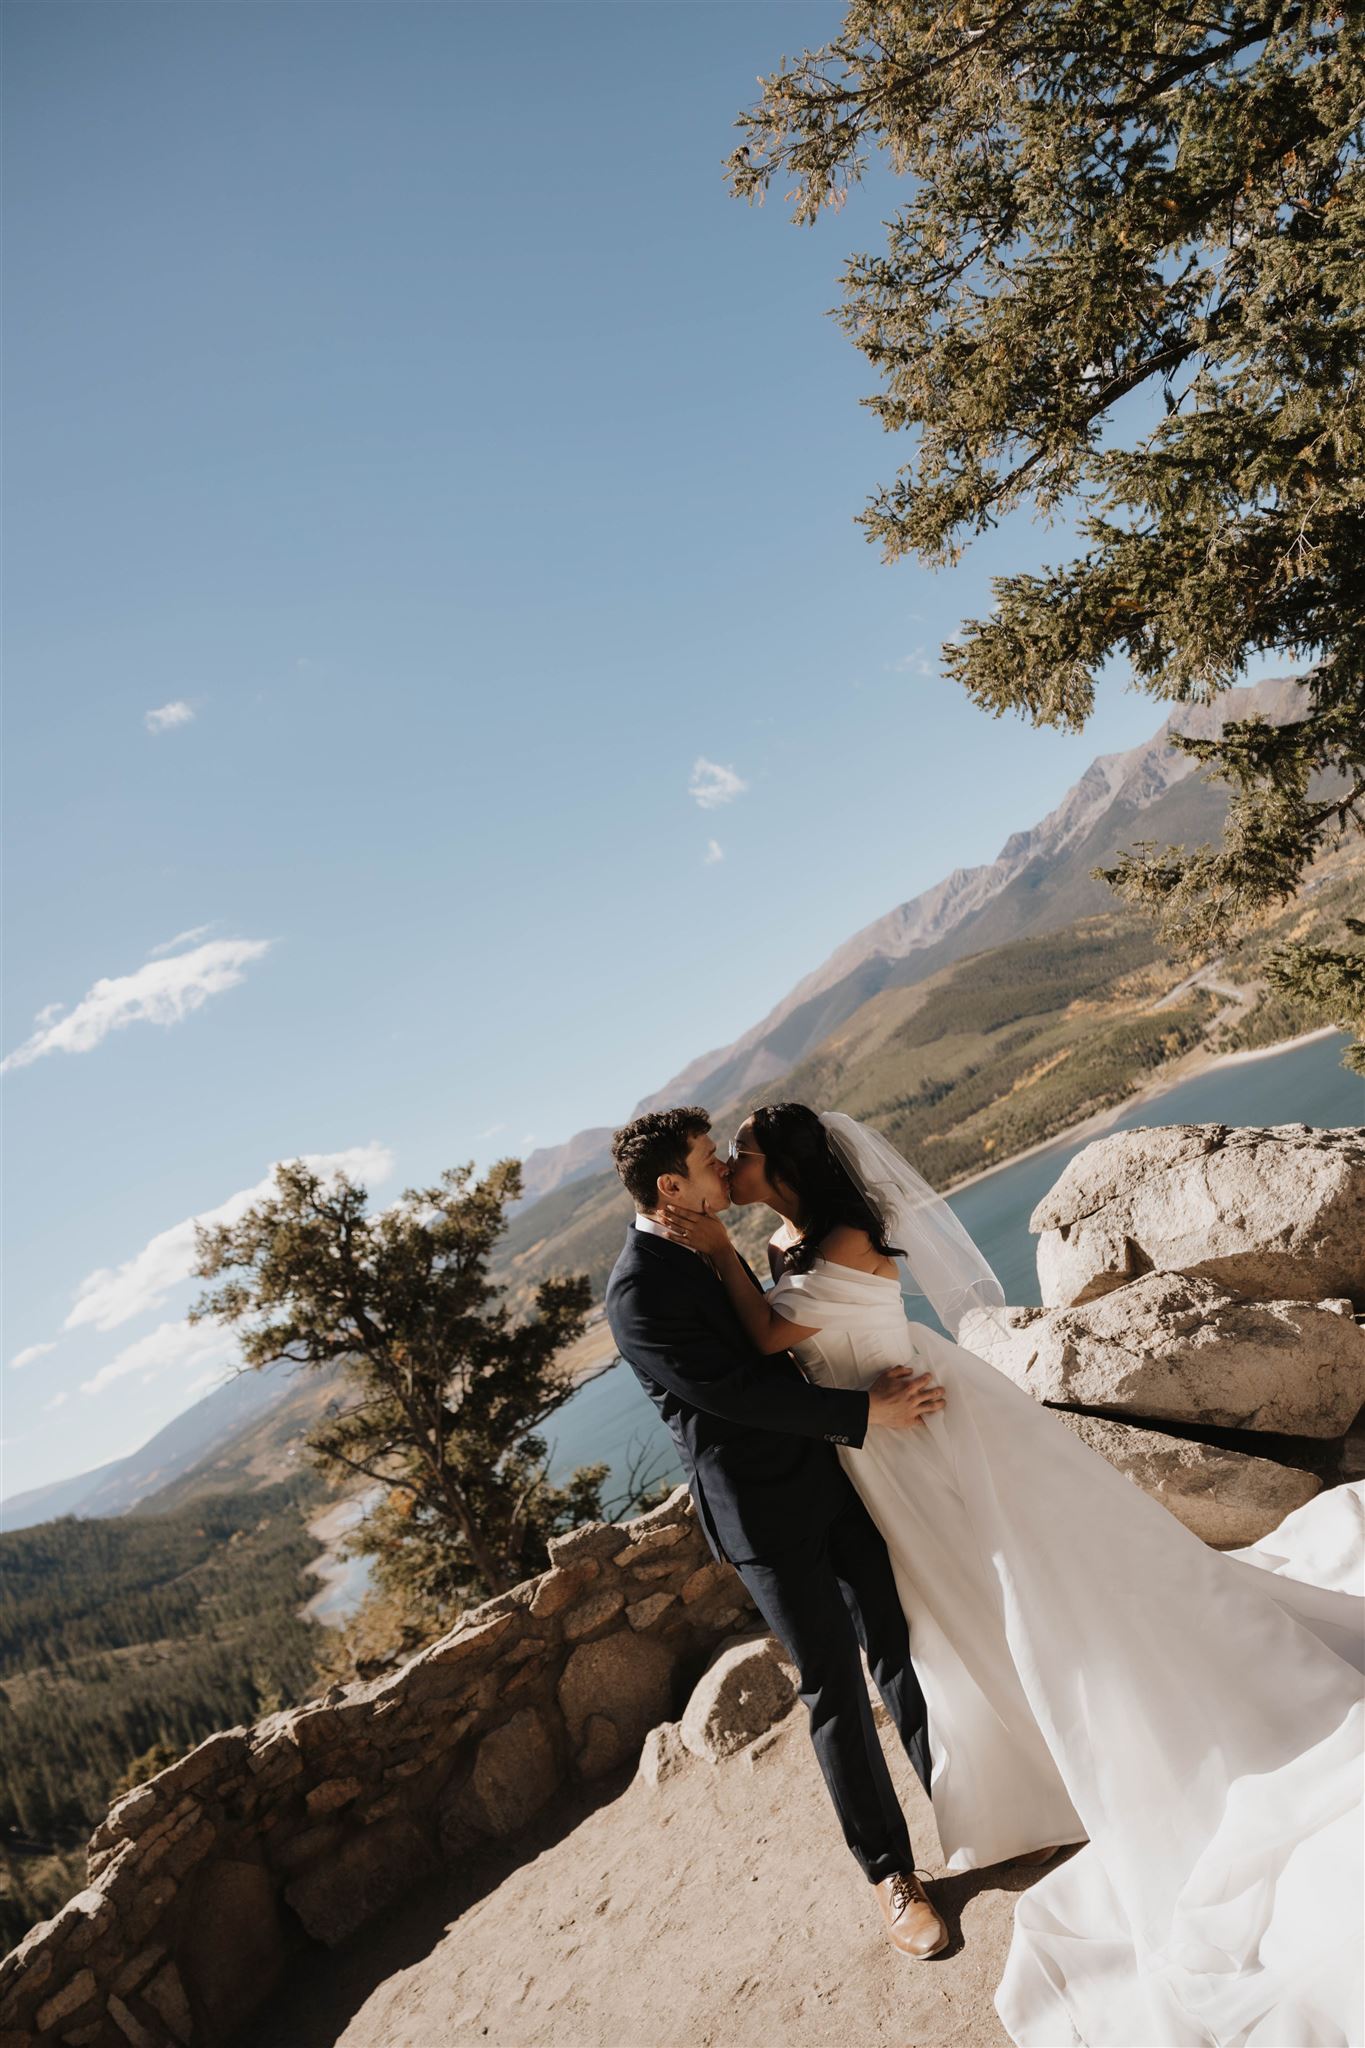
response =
{"points": [[1094, 1673]]}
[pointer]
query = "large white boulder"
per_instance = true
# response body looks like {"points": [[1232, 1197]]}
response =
{"points": [[1275, 1213], [1186, 1350]]}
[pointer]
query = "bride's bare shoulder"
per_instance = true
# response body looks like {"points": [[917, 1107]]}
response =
{"points": [[847, 1245], [777, 1244]]}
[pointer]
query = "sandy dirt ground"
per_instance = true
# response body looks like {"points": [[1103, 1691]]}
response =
{"points": [[720, 1910]]}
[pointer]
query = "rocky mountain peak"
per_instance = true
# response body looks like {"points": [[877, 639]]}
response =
{"points": [[1136, 777]]}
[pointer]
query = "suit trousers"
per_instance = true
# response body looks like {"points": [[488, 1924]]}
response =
{"points": [[824, 1597]]}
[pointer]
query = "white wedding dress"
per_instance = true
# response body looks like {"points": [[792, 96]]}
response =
{"points": [[1094, 1672]]}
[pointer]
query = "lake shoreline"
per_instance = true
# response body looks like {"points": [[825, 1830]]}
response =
{"points": [[344, 1579], [1198, 1061]]}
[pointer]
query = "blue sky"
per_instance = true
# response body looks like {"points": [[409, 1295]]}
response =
{"points": [[446, 688]]}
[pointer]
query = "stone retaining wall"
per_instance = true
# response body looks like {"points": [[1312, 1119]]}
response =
{"points": [[317, 1817]]}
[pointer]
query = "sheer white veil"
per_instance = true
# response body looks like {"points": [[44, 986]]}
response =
{"points": [[943, 1262]]}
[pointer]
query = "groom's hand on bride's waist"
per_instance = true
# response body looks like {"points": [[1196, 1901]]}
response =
{"points": [[901, 1398]]}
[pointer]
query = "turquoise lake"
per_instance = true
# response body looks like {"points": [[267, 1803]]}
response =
{"points": [[610, 1418]]}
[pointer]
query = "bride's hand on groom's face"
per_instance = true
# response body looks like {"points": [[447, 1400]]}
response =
{"points": [[698, 1228]]}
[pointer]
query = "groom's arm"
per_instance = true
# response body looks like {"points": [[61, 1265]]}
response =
{"points": [[677, 1352]]}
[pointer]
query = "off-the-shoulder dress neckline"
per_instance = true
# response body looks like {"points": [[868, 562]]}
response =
{"points": [[854, 1272]]}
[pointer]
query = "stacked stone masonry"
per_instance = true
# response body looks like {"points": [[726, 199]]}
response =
{"points": [[200, 1880]]}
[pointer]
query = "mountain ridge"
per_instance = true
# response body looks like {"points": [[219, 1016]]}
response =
{"points": [[232, 1419], [1136, 776]]}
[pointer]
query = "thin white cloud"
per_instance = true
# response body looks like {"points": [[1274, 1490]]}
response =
{"points": [[712, 785], [170, 1345], [714, 852], [166, 716], [158, 992], [916, 663], [181, 939], [56, 1401], [27, 1356], [491, 1132], [115, 1294]]}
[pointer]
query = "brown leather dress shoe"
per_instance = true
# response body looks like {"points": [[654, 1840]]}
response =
{"points": [[911, 1922]]}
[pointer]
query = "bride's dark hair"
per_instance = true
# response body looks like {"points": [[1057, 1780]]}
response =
{"points": [[796, 1150]]}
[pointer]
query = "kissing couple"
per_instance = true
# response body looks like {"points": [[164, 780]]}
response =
{"points": [[1062, 1661]]}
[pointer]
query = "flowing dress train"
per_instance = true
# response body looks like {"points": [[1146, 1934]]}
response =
{"points": [[1095, 1673]]}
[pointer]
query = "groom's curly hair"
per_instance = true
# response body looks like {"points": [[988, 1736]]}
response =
{"points": [[796, 1150], [653, 1144]]}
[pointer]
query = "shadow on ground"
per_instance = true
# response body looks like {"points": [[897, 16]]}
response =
{"points": [[719, 1910], [323, 1988]]}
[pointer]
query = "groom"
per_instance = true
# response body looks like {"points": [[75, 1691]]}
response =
{"points": [[757, 1441]]}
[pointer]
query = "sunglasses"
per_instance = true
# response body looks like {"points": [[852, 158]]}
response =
{"points": [[741, 1152]]}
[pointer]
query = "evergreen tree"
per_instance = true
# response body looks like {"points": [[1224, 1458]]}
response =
{"points": [[1107, 198], [159, 1757], [449, 1391]]}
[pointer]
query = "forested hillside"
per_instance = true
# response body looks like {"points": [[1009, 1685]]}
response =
{"points": [[129, 1640]]}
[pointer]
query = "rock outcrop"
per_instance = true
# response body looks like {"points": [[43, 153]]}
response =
{"points": [[204, 1880], [1227, 1498], [1210, 1278], [1182, 1349], [1274, 1214]]}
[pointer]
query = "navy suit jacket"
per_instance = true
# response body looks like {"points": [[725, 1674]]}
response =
{"points": [[755, 1438]]}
